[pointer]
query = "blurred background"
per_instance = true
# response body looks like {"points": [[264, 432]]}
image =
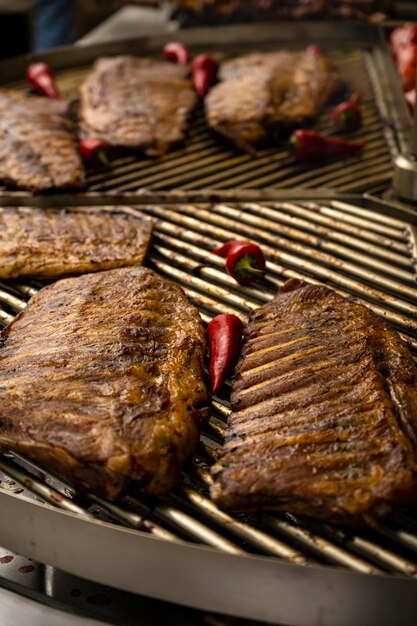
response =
{"points": [[41, 24]]}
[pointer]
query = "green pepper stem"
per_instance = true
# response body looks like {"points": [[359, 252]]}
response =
{"points": [[346, 117], [245, 266], [101, 156], [293, 143]]}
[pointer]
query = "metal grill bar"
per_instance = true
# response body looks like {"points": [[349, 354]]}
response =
{"points": [[321, 547], [369, 218], [260, 540], [196, 529], [5, 318], [196, 220], [39, 488], [128, 518], [294, 223], [371, 551]]}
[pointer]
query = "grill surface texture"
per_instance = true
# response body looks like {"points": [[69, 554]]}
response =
{"points": [[324, 419], [205, 160], [357, 246], [49, 244]]}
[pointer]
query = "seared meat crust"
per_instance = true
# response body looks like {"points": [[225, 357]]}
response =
{"points": [[38, 144], [264, 92], [50, 244], [324, 419], [137, 103], [101, 378]]}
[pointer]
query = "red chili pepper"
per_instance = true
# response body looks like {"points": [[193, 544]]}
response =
{"points": [[204, 71], [95, 150], [176, 53], [40, 76], [315, 51], [224, 334], [245, 262], [410, 97], [223, 251], [403, 37], [347, 116], [407, 66], [309, 146]]}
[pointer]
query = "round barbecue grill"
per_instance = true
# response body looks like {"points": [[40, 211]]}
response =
{"points": [[272, 567], [182, 548]]}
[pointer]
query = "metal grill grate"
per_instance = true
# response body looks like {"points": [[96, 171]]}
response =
{"points": [[351, 247], [208, 161]]}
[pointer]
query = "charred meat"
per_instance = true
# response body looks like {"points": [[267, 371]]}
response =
{"points": [[101, 379], [137, 103], [49, 244], [265, 92], [324, 412], [38, 144]]}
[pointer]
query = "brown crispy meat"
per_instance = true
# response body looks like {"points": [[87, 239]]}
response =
{"points": [[50, 244], [264, 92], [101, 378], [137, 103], [38, 144], [324, 419]]}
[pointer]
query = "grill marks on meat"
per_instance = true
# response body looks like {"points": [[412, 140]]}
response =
{"points": [[112, 397], [38, 144], [50, 244], [324, 419], [137, 103], [264, 92]]}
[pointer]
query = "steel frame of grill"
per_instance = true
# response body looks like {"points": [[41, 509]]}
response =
{"points": [[310, 233]]}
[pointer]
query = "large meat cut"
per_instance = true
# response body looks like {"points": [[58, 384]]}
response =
{"points": [[261, 93], [101, 378], [38, 144], [324, 412], [50, 244], [137, 103]]}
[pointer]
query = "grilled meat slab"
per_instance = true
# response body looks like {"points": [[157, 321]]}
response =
{"points": [[264, 92], [101, 378], [324, 419], [137, 103], [50, 244], [38, 144]]}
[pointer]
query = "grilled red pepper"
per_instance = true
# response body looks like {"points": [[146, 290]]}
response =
{"points": [[224, 334], [245, 262], [347, 116], [95, 150], [410, 97], [176, 53], [407, 66], [204, 72], [40, 76], [223, 251], [314, 51], [309, 146], [403, 37]]}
